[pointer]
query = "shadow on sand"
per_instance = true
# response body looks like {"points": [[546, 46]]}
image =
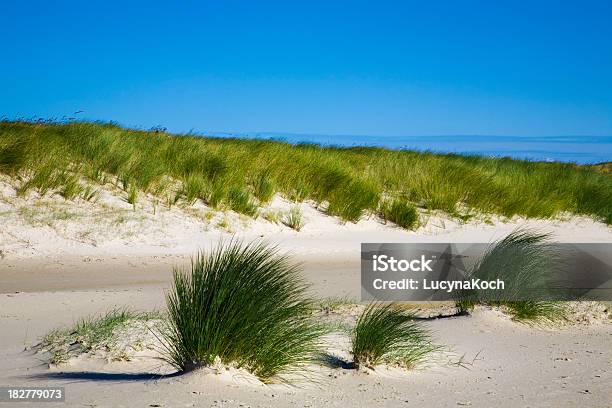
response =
{"points": [[101, 376]]}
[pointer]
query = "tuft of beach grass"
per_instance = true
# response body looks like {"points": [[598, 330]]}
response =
{"points": [[400, 212], [294, 218], [389, 333], [245, 305], [528, 264], [92, 333]]}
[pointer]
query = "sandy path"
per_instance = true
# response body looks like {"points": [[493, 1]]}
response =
{"points": [[330, 255], [330, 277]]}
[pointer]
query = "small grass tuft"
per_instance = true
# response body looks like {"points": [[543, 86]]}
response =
{"points": [[389, 334], [90, 334], [272, 216], [69, 188], [400, 212], [88, 193], [537, 312], [294, 219], [132, 196], [334, 304]]}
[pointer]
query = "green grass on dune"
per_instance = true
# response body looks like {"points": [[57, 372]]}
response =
{"points": [[389, 333], [245, 174], [245, 305], [91, 334], [529, 265], [401, 212]]}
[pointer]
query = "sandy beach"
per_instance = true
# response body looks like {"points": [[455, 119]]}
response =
{"points": [[305, 204], [58, 268]]}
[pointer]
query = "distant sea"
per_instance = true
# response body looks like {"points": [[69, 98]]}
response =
{"points": [[575, 149]]}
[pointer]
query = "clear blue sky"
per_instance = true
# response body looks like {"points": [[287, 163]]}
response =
{"points": [[373, 67]]}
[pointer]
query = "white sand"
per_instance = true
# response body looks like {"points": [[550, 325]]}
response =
{"points": [[505, 364], [68, 261], [53, 228]]}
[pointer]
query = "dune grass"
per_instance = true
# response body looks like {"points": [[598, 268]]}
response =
{"points": [[389, 334], [529, 265], [333, 304], [537, 312], [294, 218], [245, 305], [400, 212], [90, 334], [244, 174]]}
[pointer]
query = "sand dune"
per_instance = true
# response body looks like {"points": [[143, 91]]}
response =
{"points": [[61, 261]]}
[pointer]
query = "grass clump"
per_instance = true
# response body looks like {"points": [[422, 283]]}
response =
{"points": [[91, 334], [88, 193], [245, 305], [331, 304], [294, 219], [538, 312], [530, 266], [46, 214], [273, 216], [400, 212], [132, 196], [389, 334]]}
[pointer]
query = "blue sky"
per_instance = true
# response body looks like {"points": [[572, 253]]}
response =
{"points": [[373, 68]]}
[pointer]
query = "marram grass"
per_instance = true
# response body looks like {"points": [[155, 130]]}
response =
{"points": [[537, 312], [244, 174], [91, 334], [400, 212], [389, 334], [294, 218], [529, 265], [245, 305]]}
